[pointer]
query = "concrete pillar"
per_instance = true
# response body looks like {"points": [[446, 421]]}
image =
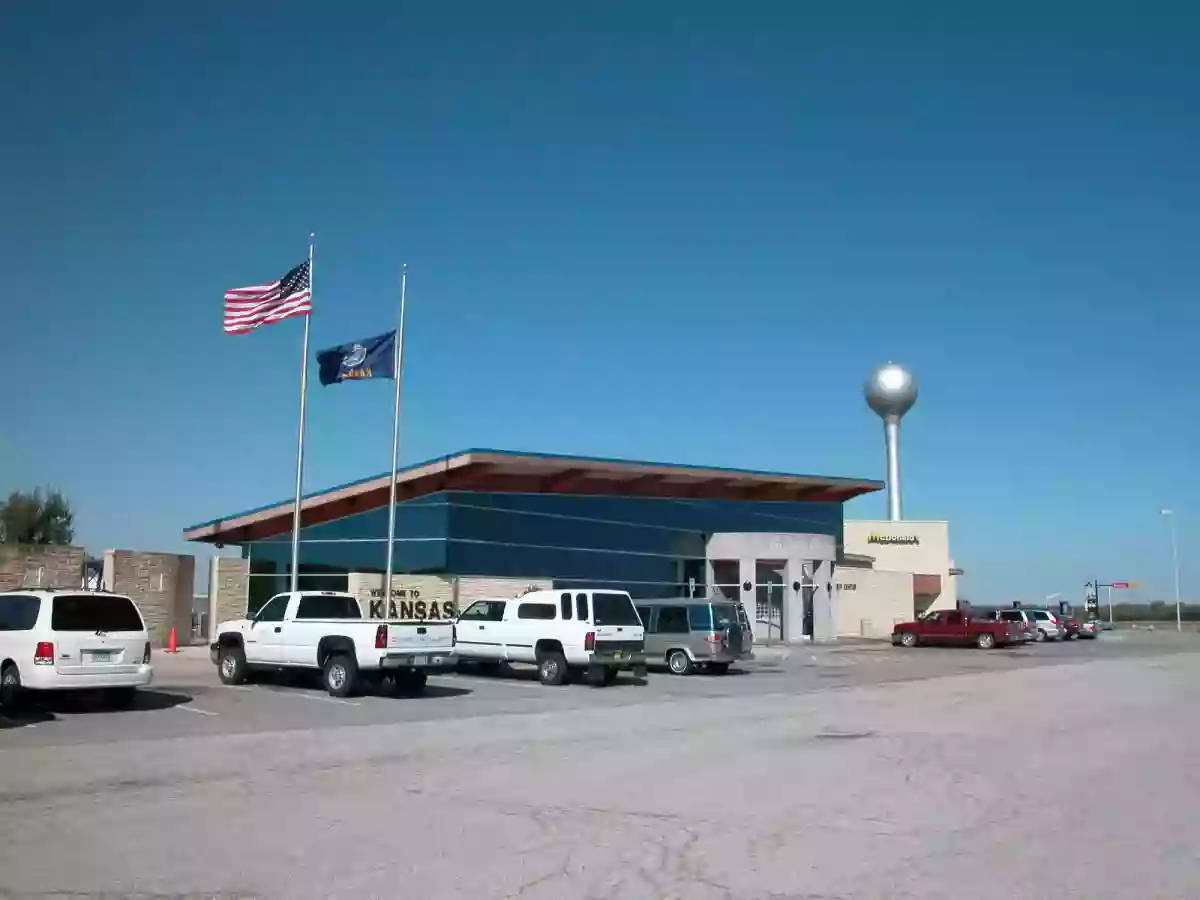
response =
{"points": [[746, 573], [824, 619], [793, 600]]}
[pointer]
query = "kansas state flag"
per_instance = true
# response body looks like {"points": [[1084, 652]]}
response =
{"points": [[370, 358]]}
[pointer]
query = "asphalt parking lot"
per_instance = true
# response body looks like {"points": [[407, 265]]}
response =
{"points": [[851, 772], [188, 699]]}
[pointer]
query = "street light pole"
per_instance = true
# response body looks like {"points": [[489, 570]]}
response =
{"points": [[1170, 515]]}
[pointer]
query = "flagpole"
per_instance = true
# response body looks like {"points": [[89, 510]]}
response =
{"points": [[312, 240], [398, 371]]}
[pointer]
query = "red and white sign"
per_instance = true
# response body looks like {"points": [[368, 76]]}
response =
{"points": [[1119, 585]]}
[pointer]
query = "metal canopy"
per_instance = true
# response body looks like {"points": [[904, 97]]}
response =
{"points": [[504, 471]]}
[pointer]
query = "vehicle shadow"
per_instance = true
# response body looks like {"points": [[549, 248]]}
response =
{"points": [[38, 709], [24, 717], [310, 682], [431, 692]]}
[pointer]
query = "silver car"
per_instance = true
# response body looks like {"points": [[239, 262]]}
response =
{"points": [[686, 634], [1049, 625]]}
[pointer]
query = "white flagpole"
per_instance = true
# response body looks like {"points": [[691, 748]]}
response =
{"points": [[312, 240], [398, 371]]}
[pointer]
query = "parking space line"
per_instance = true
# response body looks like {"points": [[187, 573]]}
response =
{"points": [[197, 711], [319, 697]]}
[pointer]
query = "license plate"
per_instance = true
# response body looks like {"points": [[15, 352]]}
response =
{"points": [[420, 660], [98, 656]]}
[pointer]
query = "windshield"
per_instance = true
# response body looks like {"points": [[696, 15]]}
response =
{"points": [[614, 609], [94, 612]]}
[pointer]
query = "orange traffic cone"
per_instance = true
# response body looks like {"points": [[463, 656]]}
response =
{"points": [[173, 641]]}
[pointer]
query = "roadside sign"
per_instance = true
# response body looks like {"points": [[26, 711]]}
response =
{"points": [[1122, 585]]}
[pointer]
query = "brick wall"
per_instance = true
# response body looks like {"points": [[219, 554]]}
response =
{"points": [[228, 590], [161, 584], [56, 567]]}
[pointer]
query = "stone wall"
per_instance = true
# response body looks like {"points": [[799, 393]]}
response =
{"points": [[161, 584], [228, 590], [23, 566]]}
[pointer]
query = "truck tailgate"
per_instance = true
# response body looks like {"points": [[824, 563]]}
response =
{"points": [[420, 636]]}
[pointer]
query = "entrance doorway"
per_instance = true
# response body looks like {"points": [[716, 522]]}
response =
{"points": [[768, 596]]}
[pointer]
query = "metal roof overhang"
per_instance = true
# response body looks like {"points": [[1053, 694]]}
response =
{"points": [[504, 471]]}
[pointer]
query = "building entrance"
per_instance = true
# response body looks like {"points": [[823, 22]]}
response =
{"points": [[769, 590]]}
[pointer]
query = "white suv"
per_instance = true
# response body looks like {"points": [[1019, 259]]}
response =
{"points": [[594, 631], [68, 640]]}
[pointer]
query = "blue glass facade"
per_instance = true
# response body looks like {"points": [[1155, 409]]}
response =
{"points": [[648, 546]]}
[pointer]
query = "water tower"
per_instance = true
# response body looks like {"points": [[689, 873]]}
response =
{"points": [[891, 391]]}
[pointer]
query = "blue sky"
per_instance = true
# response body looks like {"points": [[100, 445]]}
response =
{"points": [[677, 231]]}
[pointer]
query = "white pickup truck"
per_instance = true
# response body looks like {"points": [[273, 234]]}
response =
{"points": [[326, 631]]}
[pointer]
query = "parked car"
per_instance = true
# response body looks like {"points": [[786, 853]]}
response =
{"points": [[594, 632], [325, 631], [954, 627], [1049, 625], [1020, 620], [72, 640], [690, 634], [1089, 629]]}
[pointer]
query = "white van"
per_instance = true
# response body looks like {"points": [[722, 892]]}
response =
{"points": [[72, 640], [559, 631]]}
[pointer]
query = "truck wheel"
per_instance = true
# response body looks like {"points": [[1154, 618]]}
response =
{"points": [[10, 687], [552, 668], [679, 663], [985, 641], [411, 682], [232, 665], [908, 639], [340, 675], [718, 668]]}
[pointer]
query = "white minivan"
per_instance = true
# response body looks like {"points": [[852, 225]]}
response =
{"points": [[72, 640]]}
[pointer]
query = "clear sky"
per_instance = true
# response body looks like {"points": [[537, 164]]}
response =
{"points": [[673, 231]]}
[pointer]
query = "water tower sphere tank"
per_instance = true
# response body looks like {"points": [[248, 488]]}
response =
{"points": [[891, 390]]}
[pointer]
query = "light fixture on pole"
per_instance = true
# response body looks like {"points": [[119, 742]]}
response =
{"points": [[1169, 514], [891, 391]]}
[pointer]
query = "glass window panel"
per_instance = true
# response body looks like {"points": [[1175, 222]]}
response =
{"points": [[672, 620]]}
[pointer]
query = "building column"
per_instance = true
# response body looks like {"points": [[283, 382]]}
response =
{"points": [[793, 600], [748, 598], [824, 615]]}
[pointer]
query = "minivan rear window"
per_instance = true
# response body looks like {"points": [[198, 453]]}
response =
{"points": [[94, 612], [614, 609], [19, 612]]}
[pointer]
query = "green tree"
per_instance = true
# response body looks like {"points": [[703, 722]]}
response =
{"points": [[36, 518]]}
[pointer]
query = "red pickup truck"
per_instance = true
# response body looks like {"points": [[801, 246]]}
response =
{"points": [[952, 626]]}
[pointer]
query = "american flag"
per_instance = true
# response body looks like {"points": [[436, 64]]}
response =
{"points": [[261, 304]]}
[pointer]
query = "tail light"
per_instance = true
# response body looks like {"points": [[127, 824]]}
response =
{"points": [[44, 654], [589, 641], [714, 638], [146, 655], [381, 637]]}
